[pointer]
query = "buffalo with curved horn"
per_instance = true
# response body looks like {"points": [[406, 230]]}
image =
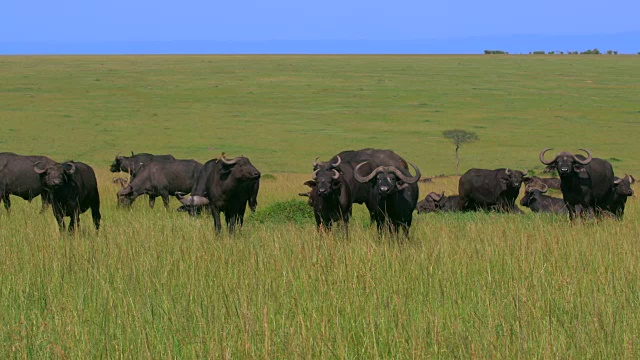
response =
{"points": [[393, 196], [586, 182], [435, 202], [483, 189], [330, 195], [226, 186]]}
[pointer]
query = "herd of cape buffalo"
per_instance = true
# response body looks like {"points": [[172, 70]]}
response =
{"points": [[379, 179]]}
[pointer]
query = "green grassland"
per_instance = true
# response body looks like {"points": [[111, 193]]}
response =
{"points": [[158, 284]]}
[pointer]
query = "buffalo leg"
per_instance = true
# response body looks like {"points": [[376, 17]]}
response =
{"points": [[95, 214], [74, 221], [231, 222], [572, 211], [152, 201], [7, 202], [216, 220], [165, 200], [59, 217], [45, 202]]}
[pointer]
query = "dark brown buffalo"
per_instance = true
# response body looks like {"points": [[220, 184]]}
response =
{"points": [[160, 178], [621, 191], [535, 200], [550, 183], [481, 189], [330, 195], [132, 164], [435, 202], [587, 182], [227, 186], [17, 178], [73, 190], [393, 195]]}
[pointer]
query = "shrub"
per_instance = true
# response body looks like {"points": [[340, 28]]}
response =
{"points": [[282, 212], [539, 52]]}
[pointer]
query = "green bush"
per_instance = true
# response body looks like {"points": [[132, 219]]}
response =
{"points": [[295, 211]]}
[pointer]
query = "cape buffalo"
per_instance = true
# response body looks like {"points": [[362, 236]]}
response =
{"points": [[618, 198], [17, 178], [435, 202], [550, 183], [132, 164], [160, 178], [349, 159], [228, 186], [330, 196], [73, 190], [393, 195], [481, 189], [587, 182], [535, 200]]}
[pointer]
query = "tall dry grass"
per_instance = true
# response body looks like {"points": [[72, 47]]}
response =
{"points": [[157, 283]]}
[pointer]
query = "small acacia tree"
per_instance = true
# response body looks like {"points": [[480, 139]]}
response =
{"points": [[459, 137]]}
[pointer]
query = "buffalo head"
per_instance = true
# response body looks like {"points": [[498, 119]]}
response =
{"points": [[387, 179], [125, 196], [431, 203], [623, 186], [54, 175], [239, 168], [326, 177], [512, 178], [116, 164], [566, 162]]}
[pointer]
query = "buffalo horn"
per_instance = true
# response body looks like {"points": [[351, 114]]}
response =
{"points": [[525, 172], [229, 162], [365, 179], [544, 188], [507, 171], [408, 180], [315, 174], [315, 162], [338, 163], [617, 181], [542, 160], [336, 174], [435, 196], [585, 161], [195, 200]]}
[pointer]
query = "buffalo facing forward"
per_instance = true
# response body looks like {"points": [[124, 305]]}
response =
{"points": [[586, 183], [73, 190], [393, 196]]}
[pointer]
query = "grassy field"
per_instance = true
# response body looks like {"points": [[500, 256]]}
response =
{"points": [[159, 284]]}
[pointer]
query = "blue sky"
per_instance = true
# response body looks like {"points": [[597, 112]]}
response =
{"points": [[87, 26]]}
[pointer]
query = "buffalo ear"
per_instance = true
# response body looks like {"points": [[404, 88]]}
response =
{"points": [[401, 185], [578, 168], [69, 167], [311, 183], [336, 184], [38, 169]]}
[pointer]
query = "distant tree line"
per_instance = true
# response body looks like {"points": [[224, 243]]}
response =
{"points": [[542, 52]]}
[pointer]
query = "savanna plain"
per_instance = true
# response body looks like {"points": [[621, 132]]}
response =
{"points": [[155, 283]]}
